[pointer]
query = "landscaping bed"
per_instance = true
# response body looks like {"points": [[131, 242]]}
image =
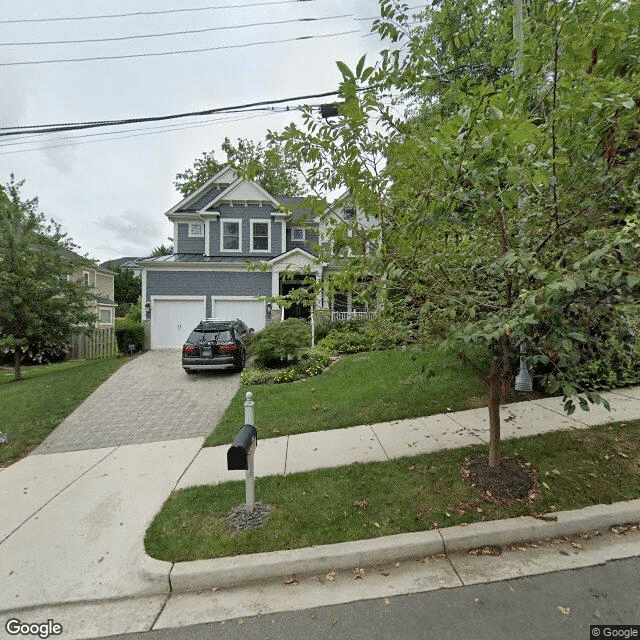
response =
{"points": [[573, 469], [31, 408]]}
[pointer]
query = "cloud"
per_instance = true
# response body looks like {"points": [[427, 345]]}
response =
{"points": [[130, 232]]}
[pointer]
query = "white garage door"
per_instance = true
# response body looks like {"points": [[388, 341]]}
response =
{"points": [[174, 319], [249, 310]]}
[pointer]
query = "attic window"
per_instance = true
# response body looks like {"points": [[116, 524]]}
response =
{"points": [[196, 229], [86, 278], [297, 234]]}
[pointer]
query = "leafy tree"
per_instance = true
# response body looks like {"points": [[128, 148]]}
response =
{"points": [[506, 203], [126, 286], [41, 306], [266, 164]]}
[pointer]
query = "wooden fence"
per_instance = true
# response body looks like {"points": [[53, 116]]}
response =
{"points": [[101, 344]]}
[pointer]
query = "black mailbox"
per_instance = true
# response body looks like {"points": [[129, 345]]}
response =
{"points": [[242, 447]]}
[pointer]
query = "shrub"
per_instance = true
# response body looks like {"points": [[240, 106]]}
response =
{"points": [[325, 327], [280, 343], [129, 332]]}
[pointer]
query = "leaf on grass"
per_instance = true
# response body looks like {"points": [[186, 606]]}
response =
{"points": [[565, 611], [361, 504], [376, 524]]}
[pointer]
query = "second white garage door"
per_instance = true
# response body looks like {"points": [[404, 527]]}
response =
{"points": [[249, 310]]}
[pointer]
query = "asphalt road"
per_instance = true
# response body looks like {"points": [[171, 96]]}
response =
{"points": [[551, 606]]}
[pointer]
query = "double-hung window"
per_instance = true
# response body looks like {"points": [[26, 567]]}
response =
{"points": [[231, 236], [260, 236]]}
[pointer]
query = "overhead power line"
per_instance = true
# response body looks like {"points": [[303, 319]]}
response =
{"points": [[152, 13], [173, 33], [75, 126], [181, 51]]}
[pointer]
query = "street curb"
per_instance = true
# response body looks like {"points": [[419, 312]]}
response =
{"points": [[245, 569]]}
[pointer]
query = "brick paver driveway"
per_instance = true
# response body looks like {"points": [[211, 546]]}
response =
{"points": [[149, 399]]}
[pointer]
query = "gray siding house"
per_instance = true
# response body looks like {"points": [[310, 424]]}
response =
{"points": [[219, 230]]}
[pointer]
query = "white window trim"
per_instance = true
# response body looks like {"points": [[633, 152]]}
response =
{"points": [[110, 320], [304, 235], [86, 280], [196, 235], [260, 221], [222, 222]]}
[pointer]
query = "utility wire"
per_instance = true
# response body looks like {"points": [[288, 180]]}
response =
{"points": [[170, 53], [153, 13], [71, 126], [172, 33], [164, 129]]}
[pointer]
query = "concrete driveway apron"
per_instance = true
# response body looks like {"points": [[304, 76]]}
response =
{"points": [[150, 399], [73, 521]]}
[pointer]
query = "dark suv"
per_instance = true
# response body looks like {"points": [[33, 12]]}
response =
{"points": [[216, 344]]}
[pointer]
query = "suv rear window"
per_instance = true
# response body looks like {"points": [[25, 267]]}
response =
{"points": [[211, 335]]}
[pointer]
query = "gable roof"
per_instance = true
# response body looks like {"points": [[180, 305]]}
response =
{"points": [[225, 176], [241, 189]]}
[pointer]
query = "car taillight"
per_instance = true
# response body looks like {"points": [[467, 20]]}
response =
{"points": [[187, 348], [228, 347]]}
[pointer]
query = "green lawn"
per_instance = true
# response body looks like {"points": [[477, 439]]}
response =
{"points": [[33, 407], [575, 469], [359, 389]]}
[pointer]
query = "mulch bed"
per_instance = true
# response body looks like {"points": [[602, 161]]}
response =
{"points": [[512, 482]]}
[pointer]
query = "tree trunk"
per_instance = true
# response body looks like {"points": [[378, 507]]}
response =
{"points": [[494, 415], [17, 362]]}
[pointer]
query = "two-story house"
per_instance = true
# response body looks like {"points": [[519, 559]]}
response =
{"points": [[219, 230], [101, 282]]}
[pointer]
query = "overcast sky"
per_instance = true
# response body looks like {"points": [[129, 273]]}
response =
{"points": [[110, 194]]}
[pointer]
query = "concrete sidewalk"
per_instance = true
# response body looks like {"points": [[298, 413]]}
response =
{"points": [[399, 438], [73, 524]]}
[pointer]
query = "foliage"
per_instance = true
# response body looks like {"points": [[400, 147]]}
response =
{"points": [[280, 343], [41, 304], [506, 204], [161, 250], [266, 164], [313, 363], [126, 286], [129, 332]]}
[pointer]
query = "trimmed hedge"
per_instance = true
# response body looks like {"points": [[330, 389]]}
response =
{"points": [[128, 332]]}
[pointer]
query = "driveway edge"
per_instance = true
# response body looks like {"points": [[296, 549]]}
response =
{"points": [[245, 569]]}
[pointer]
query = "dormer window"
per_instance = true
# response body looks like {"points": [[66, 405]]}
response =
{"points": [[196, 229], [297, 234], [231, 236], [260, 236]]}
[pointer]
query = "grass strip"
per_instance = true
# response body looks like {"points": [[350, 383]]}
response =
{"points": [[364, 388], [599, 465], [31, 408]]}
